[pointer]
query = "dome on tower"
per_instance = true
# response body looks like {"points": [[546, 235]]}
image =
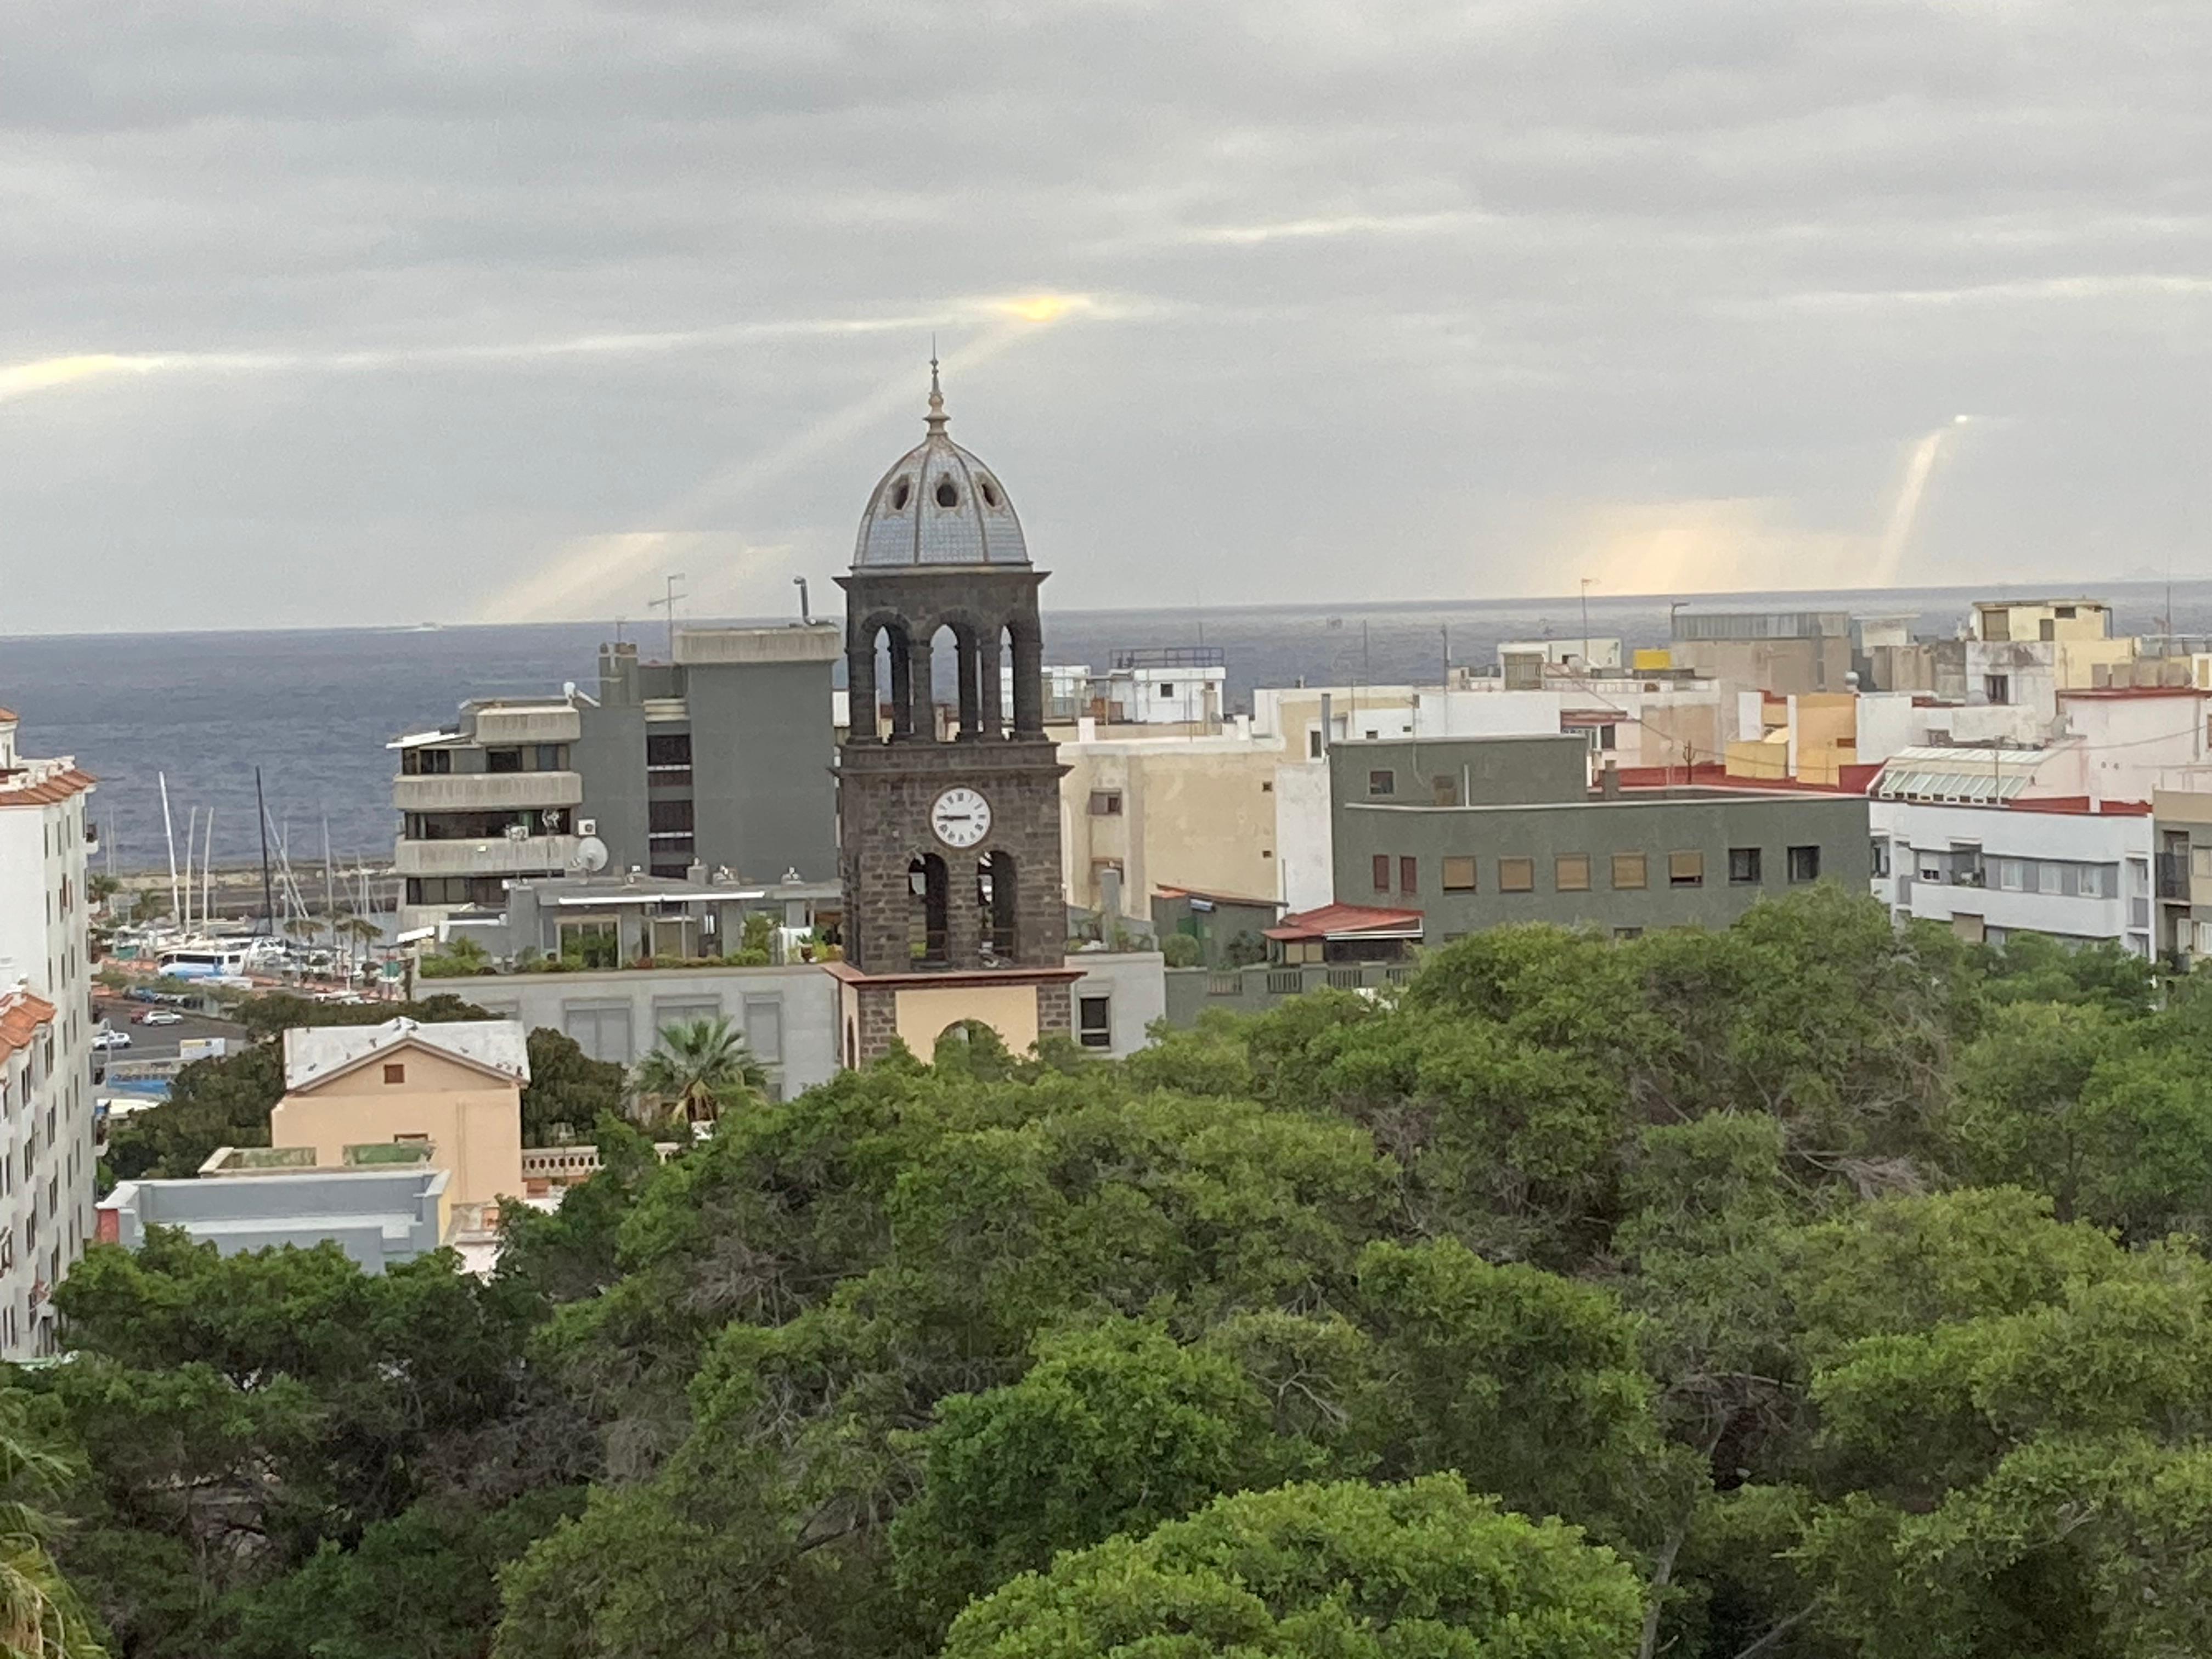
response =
{"points": [[939, 505]]}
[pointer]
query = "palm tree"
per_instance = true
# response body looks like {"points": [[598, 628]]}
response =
{"points": [[701, 1067], [40, 1617], [362, 931]]}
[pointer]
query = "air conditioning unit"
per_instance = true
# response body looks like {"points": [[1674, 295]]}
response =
{"points": [[518, 832], [587, 826]]}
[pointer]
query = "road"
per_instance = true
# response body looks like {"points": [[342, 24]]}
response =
{"points": [[159, 1041]]}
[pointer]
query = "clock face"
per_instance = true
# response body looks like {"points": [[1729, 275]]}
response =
{"points": [[961, 818]]}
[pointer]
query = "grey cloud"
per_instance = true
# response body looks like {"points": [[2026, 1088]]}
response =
{"points": [[1390, 298]]}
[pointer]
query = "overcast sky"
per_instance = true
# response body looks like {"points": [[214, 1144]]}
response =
{"points": [[486, 310]]}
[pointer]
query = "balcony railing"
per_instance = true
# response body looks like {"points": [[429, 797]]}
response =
{"points": [[488, 855], [464, 792]]}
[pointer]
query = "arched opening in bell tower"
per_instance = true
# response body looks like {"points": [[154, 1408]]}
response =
{"points": [[928, 939], [995, 901]]}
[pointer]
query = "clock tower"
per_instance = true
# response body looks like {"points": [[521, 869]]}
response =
{"points": [[948, 814]]}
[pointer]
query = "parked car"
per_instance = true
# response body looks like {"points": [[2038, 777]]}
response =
{"points": [[111, 1039], [157, 1017]]}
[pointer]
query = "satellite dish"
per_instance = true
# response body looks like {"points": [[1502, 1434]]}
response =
{"points": [[591, 855]]}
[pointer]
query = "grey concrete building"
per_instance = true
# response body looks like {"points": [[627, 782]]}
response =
{"points": [[723, 758], [788, 1014], [618, 922], [1473, 832], [378, 1217], [1788, 652]]}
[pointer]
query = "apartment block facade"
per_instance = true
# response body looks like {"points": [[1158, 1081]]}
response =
{"points": [[1477, 832], [722, 758], [46, 1037]]}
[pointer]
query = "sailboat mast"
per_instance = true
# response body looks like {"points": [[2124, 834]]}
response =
{"points": [[207, 872], [169, 830], [191, 838], [268, 889]]}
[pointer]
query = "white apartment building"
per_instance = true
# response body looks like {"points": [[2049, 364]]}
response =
{"points": [[45, 1032], [1967, 848]]}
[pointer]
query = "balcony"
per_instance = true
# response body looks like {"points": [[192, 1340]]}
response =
{"points": [[492, 855], [2173, 877], [464, 792], [505, 726]]}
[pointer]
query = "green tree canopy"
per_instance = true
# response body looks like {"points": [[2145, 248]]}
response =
{"points": [[1327, 1572]]}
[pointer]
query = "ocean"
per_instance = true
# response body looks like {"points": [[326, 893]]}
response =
{"points": [[314, 709]]}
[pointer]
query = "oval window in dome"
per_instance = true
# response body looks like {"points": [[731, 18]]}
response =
{"points": [[947, 495], [990, 491], [900, 493]]}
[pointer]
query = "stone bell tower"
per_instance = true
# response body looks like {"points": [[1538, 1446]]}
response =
{"points": [[948, 814]]}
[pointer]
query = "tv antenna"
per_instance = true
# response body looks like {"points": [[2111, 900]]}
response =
{"points": [[668, 604]]}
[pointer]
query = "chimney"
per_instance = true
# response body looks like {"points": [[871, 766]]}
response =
{"points": [[1609, 780], [1327, 721]]}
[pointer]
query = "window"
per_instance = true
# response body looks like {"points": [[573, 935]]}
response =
{"points": [[947, 495], [1628, 870], [1879, 848], [552, 757], [395, 1073], [1443, 790], [1517, 875], [669, 817], [600, 1029], [1167, 687], [1313, 744], [1458, 875], [1094, 1022], [1685, 869], [1743, 866], [1997, 688], [668, 749], [764, 1029], [1381, 783], [1105, 803], [502, 760], [1409, 876], [1571, 873], [1382, 872], [1805, 864]]}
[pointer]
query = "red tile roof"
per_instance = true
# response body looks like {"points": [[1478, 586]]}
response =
{"points": [[57, 788], [20, 1016], [1711, 775], [1340, 920], [2110, 809]]}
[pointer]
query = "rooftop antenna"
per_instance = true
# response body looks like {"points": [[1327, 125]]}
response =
{"points": [[669, 604]]}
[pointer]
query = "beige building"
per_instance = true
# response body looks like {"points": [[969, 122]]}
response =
{"points": [[1140, 813], [351, 1092]]}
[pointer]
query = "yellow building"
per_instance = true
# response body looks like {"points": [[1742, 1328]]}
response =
{"points": [[2079, 630], [352, 1090]]}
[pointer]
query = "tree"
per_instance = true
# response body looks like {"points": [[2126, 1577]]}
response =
{"points": [[1335, 1571], [568, 1091], [700, 1068], [1114, 1429], [41, 1616], [222, 1102]]}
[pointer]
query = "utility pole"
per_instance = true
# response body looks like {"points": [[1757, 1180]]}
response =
{"points": [[1586, 661], [668, 604]]}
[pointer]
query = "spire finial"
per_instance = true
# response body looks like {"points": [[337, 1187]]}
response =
{"points": [[937, 417]]}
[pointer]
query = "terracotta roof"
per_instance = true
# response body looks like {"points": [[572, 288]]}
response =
{"points": [[1347, 921], [59, 786], [8, 715], [20, 1016], [2108, 809], [1708, 774]]}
